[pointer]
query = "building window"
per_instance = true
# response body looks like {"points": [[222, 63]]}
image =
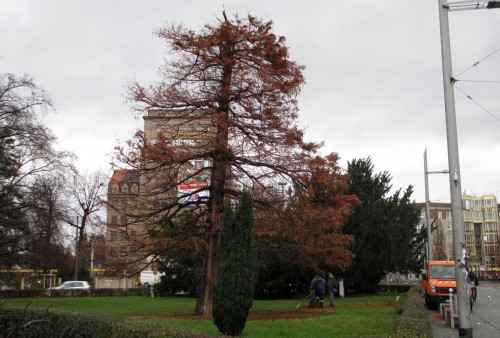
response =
{"points": [[466, 204], [114, 236], [490, 214], [440, 214], [470, 250], [477, 215], [135, 189], [114, 189], [123, 220], [448, 215], [125, 189], [114, 219]]}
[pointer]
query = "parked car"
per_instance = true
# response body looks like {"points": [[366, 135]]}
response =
{"points": [[75, 284]]}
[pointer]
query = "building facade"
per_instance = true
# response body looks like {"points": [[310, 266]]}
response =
{"points": [[481, 228], [123, 231], [139, 198]]}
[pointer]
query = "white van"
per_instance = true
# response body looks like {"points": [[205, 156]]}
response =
{"points": [[148, 278]]}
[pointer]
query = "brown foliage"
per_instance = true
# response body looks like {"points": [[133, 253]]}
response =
{"points": [[236, 74], [308, 230]]}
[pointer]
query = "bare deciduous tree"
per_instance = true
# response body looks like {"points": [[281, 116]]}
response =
{"points": [[46, 210], [87, 194], [28, 153]]}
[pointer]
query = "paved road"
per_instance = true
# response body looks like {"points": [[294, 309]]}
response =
{"points": [[485, 314]]}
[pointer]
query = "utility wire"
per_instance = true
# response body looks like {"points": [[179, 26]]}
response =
{"points": [[455, 80], [483, 108], [485, 81], [478, 62]]}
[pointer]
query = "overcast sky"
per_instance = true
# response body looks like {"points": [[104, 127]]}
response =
{"points": [[373, 72]]}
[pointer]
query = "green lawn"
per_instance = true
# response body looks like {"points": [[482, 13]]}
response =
{"points": [[353, 316]]}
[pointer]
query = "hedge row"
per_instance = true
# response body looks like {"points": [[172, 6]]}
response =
{"points": [[398, 288], [414, 320], [37, 293], [45, 323]]}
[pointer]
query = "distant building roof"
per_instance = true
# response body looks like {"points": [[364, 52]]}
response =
{"points": [[434, 204], [124, 176]]}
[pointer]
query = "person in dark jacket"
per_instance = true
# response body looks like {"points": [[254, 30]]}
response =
{"points": [[333, 286], [312, 291], [474, 282], [318, 290]]}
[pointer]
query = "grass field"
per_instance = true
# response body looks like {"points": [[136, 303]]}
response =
{"points": [[367, 316]]}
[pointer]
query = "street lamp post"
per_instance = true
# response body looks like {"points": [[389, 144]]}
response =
{"points": [[427, 207], [282, 185], [464, 317], [75, 273]]}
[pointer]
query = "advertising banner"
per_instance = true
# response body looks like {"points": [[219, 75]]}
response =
{"points": [[194, 177]]}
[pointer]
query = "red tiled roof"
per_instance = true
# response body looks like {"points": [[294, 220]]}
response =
{"points": [[124, 176]]}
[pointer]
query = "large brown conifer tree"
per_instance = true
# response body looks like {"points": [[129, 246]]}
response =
{"points": [[235, 73]]}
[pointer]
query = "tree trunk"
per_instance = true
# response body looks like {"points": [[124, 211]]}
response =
{"points": [[220, 166], [210, 263]]}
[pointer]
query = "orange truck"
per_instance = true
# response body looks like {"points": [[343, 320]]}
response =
{"points": [[437, 280]]}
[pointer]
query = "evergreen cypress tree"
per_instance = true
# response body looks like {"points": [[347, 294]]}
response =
{"points": [[236, 277]]}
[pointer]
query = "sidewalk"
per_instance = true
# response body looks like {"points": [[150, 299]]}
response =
{"points": [[485, 314]]}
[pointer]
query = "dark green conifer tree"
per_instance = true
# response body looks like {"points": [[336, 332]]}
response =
{"points": [[236, 277], [384, 226]]}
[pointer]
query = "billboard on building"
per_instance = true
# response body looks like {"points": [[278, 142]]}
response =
{"points": [[193, 178]]}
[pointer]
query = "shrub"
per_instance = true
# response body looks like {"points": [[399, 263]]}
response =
{"points": [[414, 320], [45, 323], [236, 277], [38, 293]]}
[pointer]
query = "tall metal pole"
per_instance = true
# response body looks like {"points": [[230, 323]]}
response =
{"points": [[75, 273], [427, 206], [427, 212], [464, 316], [92, 258]]}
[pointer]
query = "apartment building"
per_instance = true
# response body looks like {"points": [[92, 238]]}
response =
{"points": [[138, 197], [481, 228], [123, 231]]}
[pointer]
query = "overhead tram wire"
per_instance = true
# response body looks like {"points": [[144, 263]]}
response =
{"points": [[483, 108], [455, 80], [478, 62], [478, 81]]}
